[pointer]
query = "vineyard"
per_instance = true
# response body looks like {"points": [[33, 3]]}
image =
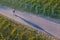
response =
{"points": [[10, 30], [50, 8]]}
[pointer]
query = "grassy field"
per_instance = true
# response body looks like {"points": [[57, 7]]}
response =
{"points": [[50, 8], [10, 30]]}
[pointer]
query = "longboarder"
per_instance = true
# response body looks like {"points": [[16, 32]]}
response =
{"points": [[13, 11]]}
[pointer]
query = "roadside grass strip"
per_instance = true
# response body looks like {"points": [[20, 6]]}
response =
{"points": [[12, 30]]}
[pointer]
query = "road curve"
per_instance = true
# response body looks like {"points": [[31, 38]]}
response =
{"points": [[49, 26]]}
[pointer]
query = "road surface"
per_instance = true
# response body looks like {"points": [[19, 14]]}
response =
{"points": [[47, 25]]}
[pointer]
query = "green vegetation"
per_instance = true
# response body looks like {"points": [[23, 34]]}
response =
{"points": [[49, 8], [10, 30]]}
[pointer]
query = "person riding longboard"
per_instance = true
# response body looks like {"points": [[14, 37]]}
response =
{"points": [[13, 10]]}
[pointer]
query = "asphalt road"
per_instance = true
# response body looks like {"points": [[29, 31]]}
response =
{"points": [[45, 25]]}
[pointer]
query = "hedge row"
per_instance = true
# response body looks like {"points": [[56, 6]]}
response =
{"points": [[40, 7]]}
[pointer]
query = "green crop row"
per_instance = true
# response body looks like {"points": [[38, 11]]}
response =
{"points": [[49, 8]]}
